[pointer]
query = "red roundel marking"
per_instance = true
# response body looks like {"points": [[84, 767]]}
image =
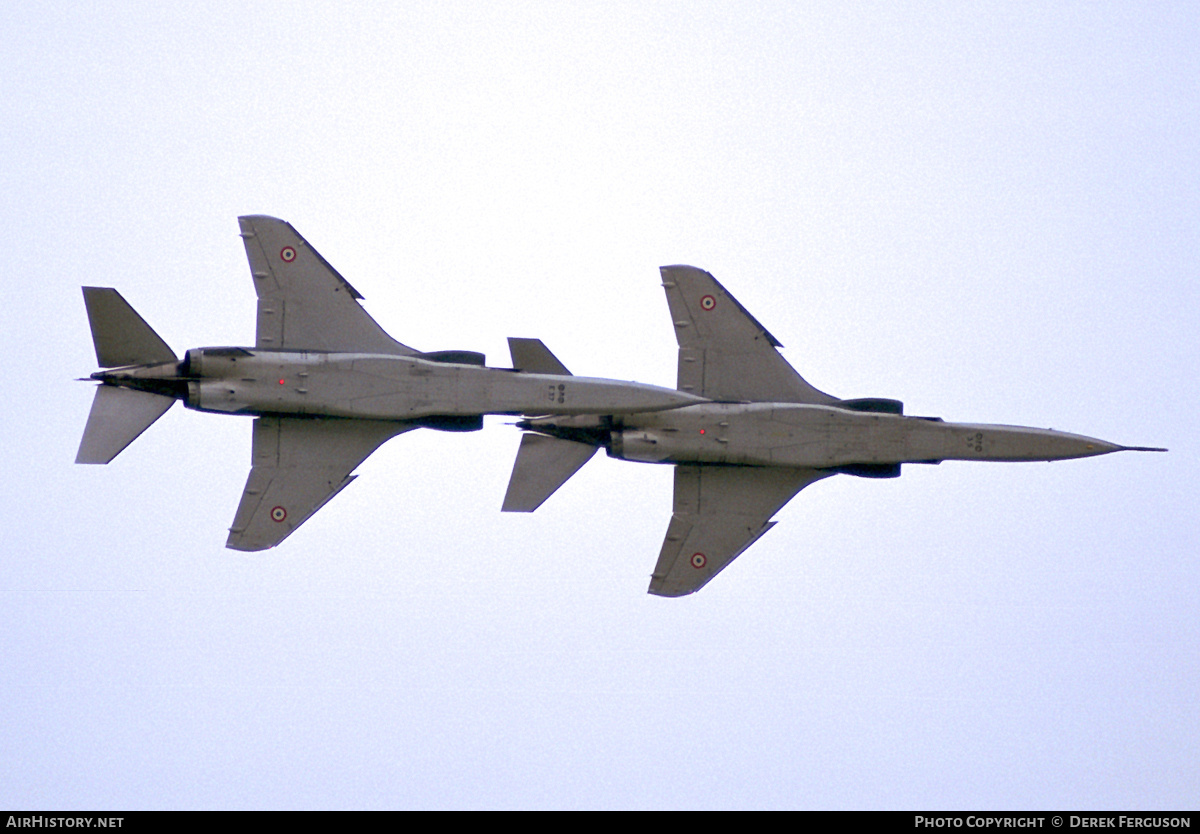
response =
{"points": [[708, 302], [278, 514], [698, 560], [288, 254]]}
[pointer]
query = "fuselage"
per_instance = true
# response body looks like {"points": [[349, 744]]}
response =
{"points": [[380, 386], [814, 436]]}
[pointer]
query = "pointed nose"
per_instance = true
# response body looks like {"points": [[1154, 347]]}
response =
{"points": [[1092, 446], [1015, 443], [1089, 446], [1059, 445]]}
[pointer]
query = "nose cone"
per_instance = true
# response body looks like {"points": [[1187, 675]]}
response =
{"points": [[1059, 445], [1062, 446], [606, 396], [1047, 444], [1018, 443], [966, 442]]}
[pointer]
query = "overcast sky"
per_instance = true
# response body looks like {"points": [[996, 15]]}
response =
{"points": [[988, 211]]}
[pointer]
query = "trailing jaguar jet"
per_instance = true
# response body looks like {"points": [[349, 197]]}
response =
{"points": [[325, 383], [762, 435]]}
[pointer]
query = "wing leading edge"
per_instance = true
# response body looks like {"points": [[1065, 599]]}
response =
{"points": [[719, 512]]}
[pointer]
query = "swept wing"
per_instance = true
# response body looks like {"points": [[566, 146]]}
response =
{"points": [[299, 463], [719, 512], [303, 303], [724, 353]]}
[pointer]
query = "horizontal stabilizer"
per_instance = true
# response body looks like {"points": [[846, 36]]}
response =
{"points": [[533, 357], [120, 335], [118, 416], [543, 465]]}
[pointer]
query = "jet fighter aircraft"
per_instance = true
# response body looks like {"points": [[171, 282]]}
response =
{"points": [[325, 383], [763, 436]]}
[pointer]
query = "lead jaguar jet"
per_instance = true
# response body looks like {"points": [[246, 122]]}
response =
{"points": [[762, 435], [325, 384]]}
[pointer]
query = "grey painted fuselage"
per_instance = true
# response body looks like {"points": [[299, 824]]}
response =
{"points": [[819, 437], [763, 434], [736, 464], [324, 382], [379, 387]]}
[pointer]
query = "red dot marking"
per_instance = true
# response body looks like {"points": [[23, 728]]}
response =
{"points": [[281, 382], [702, 431], [288, 254]]}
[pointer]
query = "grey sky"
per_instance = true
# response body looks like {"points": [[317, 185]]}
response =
{"points": [[988, 211]]}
